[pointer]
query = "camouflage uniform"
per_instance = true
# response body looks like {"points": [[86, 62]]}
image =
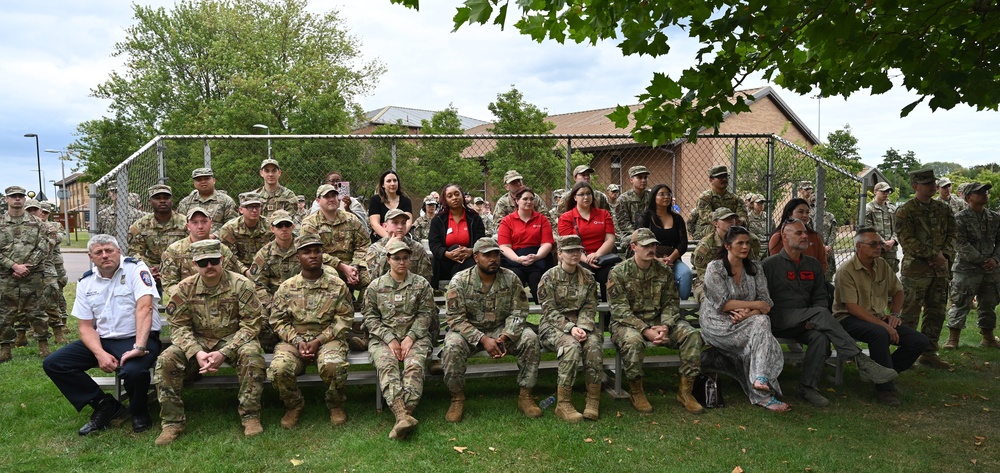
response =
{"points": [[56, 279], [344, 239], [570, 300], [272, 266], [148, 238], [883, 219], [393, 311], [954, 203], [978, 239], [23, 240], [640, 299], [628, 208], [708, 201], [304, 311], [757, 223], [225, 318], [422, 227], [107, 218], [219, 205], [420, 260], [472, 313], [176, 264], [829, 239], [706, 251], [244, 241], [924, 230], [281, 199]]}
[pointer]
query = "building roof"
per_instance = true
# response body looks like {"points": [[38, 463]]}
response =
{"points": [[69, 179], [411, 117]]}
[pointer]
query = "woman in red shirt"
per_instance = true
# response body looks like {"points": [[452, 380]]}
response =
{"points": [[596, 229], [453, 231], [525, 239]]}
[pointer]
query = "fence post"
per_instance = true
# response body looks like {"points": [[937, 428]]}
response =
{"points": [[160, 149], [393, 142], [820, 222], [770, 184], [93, 209], [732, 165], [862, 200], [569, 163], [208, 154]]}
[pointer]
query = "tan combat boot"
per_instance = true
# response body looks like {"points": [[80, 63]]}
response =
{"points": [[592, 409], [953, 336], [291, 417], [638, 397], [527, 405], [5, 355], [252, 427], [169, 434], [932, 359], [21, 340], [337, 415], [59, 335], [989, 340], [456, 408], [43, 348], [564, 408], [685, 396], [404, 421]]}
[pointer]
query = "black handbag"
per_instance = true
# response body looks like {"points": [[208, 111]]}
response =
{"points": [[706, 391], [608, 260]]}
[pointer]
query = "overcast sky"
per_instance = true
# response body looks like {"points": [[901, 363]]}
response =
{"points": [[56, 51]]}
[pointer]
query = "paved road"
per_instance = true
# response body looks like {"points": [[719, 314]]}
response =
{"points": [[76, 264]]}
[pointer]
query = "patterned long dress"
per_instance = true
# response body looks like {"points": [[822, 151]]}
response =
{"points": [[749, 343]]}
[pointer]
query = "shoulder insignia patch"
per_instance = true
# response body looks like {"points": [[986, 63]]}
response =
{"points": [[246, 296], [130, 259], [171, 308], [147, 279]]}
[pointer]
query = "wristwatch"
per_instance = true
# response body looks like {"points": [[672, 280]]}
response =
{"points": [[142, 349]]}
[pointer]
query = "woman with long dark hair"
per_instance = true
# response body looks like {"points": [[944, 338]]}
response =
{"points": [[388, 195], [525, 238], [671, 232], [798, 209], [734, 319], [595, 227], [454, 229]]}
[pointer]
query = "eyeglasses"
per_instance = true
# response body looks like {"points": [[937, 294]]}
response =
{"points": [[873, 244], [203, 263], [527, 199], [283, 225]]}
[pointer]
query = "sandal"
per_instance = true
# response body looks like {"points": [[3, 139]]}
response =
{"points": [[775, 405], [761, 383]]}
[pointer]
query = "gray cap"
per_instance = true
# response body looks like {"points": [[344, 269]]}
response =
{"points": [[923, 176], [248, 198], [485, 245], [883, 186], [32, 204], [512, 175], [637, 170], [583, 168], [307, 239], [722, 213], [395, 213], [943, 182], [269, 161], [569, 242], [201, 172], [15, 190], [396, 246], [614, 188], [478, 200], [643, 237], [326, 189], [279, 216], [197, 210], [205, 249], [718, 171], [159, 189]]}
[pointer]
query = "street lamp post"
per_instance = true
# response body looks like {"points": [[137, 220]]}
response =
{"points": [[40, 196], [63, 157], [38, 156], [54, 193], [268, 140]]}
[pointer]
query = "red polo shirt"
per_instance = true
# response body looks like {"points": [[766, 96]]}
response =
{"points": [[458, 232], [520, 234], [592, 232]]}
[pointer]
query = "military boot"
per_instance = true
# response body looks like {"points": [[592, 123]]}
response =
{"points": [[5, 355], [638, 397], [527, 405], [404, 422], [592, 409], [252, 427], [169, 434], [337, 415], [685, 396], [564, 408], [933, 360], [21, 340], [291, 417], [43, 348], [456, 408], [953, 336], [59, 334], [989, 340]]}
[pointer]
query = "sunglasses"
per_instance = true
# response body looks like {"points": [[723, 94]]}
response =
{"points": [[203, 263], [283, 225]]}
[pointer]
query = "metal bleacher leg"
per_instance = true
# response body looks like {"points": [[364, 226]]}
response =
{"points": [[118, 386], [378, 397]]}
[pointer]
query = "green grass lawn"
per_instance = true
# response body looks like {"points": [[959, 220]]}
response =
{"points": [[948, 422]]}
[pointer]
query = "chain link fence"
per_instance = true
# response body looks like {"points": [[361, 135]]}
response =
{"points": [[759, 164]]}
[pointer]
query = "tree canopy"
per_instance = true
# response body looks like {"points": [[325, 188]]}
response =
{"points": [[943, 51], [536, 159], [221, 66]]}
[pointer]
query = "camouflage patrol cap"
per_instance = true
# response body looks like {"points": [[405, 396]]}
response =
{"points": [[963, 188], [31, 204], [511, 176], [133, 199], [759, 198], [301, 198], [197, 210], [722, 213], [637, 170], [977, 188], [749, 196], [558, 193], [267, 161], [582, 169], [201, 172], [326, 189], [394, 213], [643, 237], [396, 246], [485, 245], [15, 190], [883, 186], [569, 242], [279, 216], [806, 185], [307, 239], [923, 176], [431, 201], [249, 198], [48, 207], [718, 171], [205, 249], [159, 189], [944, 182], [614, 188], [112, 185], [478, 200]]}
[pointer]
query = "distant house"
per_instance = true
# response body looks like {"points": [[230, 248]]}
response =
{"points": [[79, 199], [409, 118]]}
